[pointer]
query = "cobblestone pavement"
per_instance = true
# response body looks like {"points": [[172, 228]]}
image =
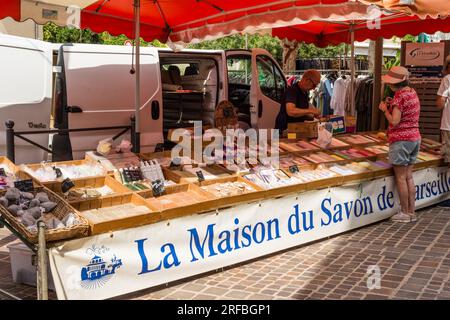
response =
{"points": [[414, 262]]}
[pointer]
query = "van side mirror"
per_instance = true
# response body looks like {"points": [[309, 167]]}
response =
{"points": [[74, 109]]}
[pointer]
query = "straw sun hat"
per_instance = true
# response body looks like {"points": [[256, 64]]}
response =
{"points": [[396, 75]]}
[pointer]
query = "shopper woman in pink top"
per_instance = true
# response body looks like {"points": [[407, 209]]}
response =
{"points": [[402, 112]]}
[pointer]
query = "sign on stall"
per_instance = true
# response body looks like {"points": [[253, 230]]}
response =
{"points": [[125, 261], [425, 54]]}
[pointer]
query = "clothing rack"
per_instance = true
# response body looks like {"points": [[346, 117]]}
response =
{"points": [[327, 71]]}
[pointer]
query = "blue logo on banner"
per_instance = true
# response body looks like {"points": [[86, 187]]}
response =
{"points": [[98, 271]]}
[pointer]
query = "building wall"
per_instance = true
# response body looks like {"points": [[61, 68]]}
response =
{"points": [[27, 29]]}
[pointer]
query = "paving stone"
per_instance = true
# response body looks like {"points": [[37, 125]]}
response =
{"points": [[237, 294]]}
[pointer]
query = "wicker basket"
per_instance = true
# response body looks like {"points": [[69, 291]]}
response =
{"points": [[62, 209]]}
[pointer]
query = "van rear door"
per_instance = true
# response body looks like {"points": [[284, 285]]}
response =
{"points": [[256, 86], [25, 93], [98, 81]]}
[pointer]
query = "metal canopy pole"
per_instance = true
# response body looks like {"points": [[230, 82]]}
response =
{"points": [[42, 278], [352, 68], [137, 97], [377, 94]]}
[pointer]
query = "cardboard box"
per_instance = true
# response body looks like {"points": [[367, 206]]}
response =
{"points": [[303, 129]]}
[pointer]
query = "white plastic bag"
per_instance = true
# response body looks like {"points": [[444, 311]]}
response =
{"points": [[324, 136]]}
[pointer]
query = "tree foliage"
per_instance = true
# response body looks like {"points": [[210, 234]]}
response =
{"points": [[269, 43], [56, 34]]}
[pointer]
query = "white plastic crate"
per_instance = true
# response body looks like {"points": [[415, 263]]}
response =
{"points": [[22, 267]]}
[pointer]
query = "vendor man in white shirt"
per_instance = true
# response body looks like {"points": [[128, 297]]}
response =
{"points": [[443, 103]]}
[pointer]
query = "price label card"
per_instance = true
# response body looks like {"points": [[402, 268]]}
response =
{"points": [[24, 185], [2, 172], [66, 185], [58, 172], [158, 188], [293, 169], [200, 176]]}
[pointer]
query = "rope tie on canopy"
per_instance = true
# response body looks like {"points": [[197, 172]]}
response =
{"points": [[212, 5], [168, 29], [101, 5]]}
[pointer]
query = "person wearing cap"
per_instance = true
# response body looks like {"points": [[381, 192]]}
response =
{"points": [[443, 103], [296, 98], [402, 112]]}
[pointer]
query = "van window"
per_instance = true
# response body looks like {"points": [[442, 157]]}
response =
{"points": [[186, 69], [239, 70], [271, 80], [23, 73]]}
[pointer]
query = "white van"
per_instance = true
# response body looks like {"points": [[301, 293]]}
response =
{"points": [[95, 88]]}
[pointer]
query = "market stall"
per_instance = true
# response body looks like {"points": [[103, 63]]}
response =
{"points": [[122, 223], [154, 221]]}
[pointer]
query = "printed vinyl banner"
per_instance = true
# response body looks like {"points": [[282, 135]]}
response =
{"points": [[121, 262]]}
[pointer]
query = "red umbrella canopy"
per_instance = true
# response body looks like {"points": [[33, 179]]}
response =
{"points": [[190, 21], [324, 33]]}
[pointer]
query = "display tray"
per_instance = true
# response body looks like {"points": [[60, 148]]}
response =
{"points": [[430, 144], [297, 146], [353, 171], [61, 210], [117, 212], [335, 144], [8, 165], [324, 156], [379, 136], [379, 149], [269, 178], [359, 139], [380, 167], [54, 184], [190, 176], [114, 160], [226, 200], [294, 159], [107, 183], [355, 153], [180, 200], [164, 158], [426, 160], [318, 183], [12, 174]]}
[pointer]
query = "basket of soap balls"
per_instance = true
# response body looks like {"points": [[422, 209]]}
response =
{"points": [[23, 209]]}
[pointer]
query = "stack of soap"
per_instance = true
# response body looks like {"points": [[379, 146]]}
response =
{"points": [[114, 212], [290, 147], [357, 139], [228, 189], [354, 153], [313, 175], [178, 199], [335, 143], [322, 157], [305, 146], [383, 149], [269, 178]]}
